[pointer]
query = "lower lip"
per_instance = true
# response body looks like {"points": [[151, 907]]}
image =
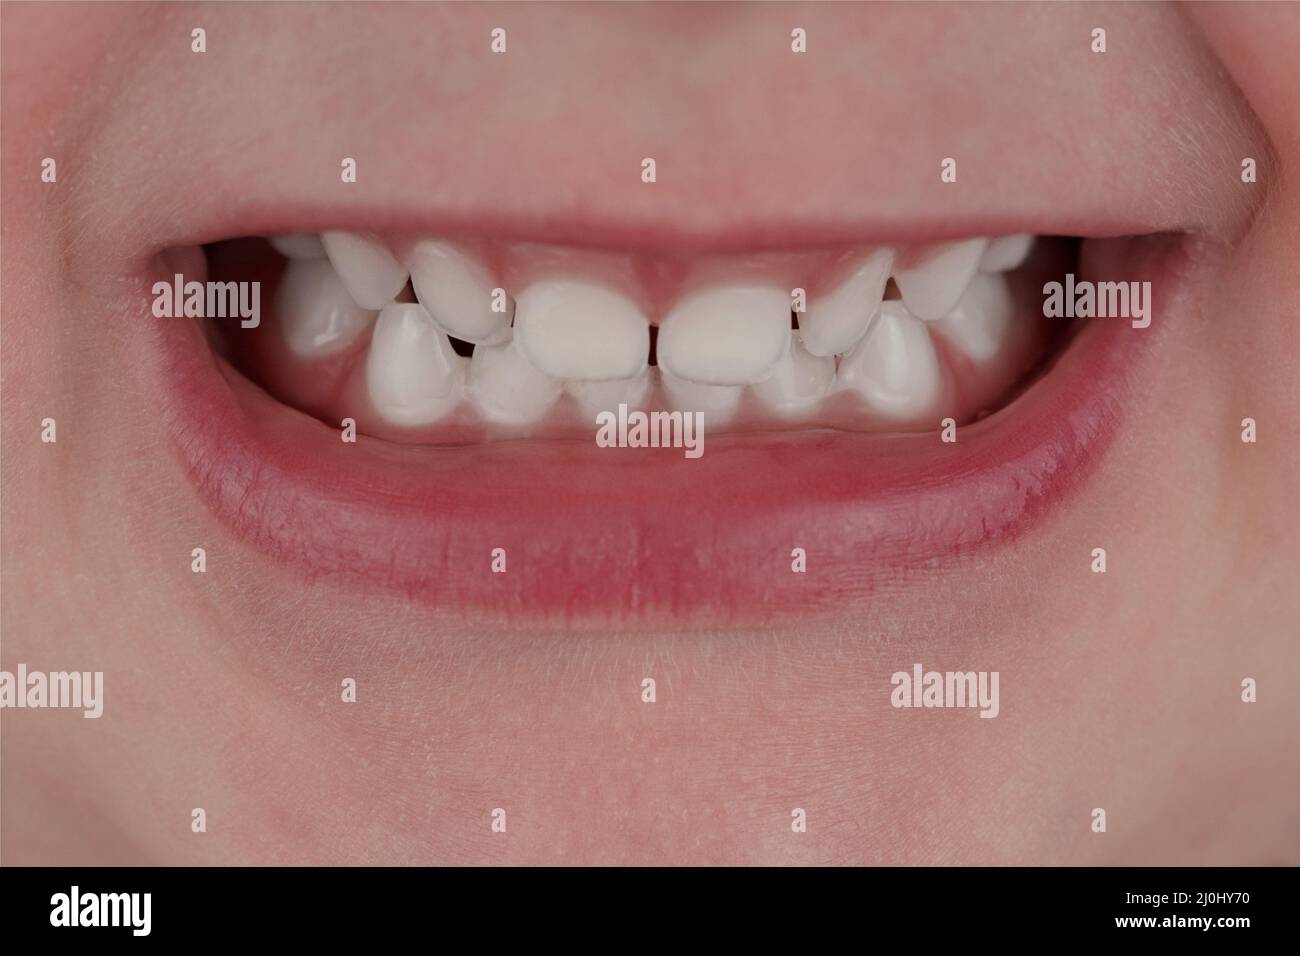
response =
{"points": [[613, 535]]}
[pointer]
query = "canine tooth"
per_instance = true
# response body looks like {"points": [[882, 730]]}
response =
{"points": [[979, 323], [317, 316], [718, 402], [506, 387], [731, 335], [932, 287], [799, 381], [457, 291], [834, 323], [413, 375], [596, 397], [1006, 253], [299, 245], [368, 270], [579, 331], [894, 368]]}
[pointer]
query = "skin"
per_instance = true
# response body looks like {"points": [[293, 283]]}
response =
{"points": [[1119, 691]]}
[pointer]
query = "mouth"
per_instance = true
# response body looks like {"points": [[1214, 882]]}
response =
{"points": [[914, 408], [476, 484]]}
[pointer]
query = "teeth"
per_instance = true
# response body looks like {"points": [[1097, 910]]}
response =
{"points": [[894, 368], [979, 323], [368, 270], [932, 287], [799, 381], [506, 387], [576, 330], [718, 402], [732, 335], [832, 325], [413, 376], [457, 291], [596, 397], [299, 245], [1006, 253], [317, 316]]}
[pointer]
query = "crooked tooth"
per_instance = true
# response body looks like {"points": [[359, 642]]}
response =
{"points": [[317, 316], [298, 245], [834, 323], [506, 387], [457, 291], [932, 287], [719, 403], [369, 272], [799, 381], [978, 325], [596, 397], [732, 335], [412, 374], [577, 330], [894, 368], [1006, 253]]}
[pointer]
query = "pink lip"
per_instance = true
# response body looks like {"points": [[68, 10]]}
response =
{"points": [[596, 535]]}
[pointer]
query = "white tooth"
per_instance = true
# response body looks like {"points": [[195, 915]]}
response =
{"points": [[457, 291], [799, 381], [932, 287], [732, 335], [412, 374], [576, 330], [368, 270], [299, 245], [506, 387], [834, 323], [316, 314], [596, 397], [979, 324], [894, 368], [1006, 253], [718, 402]]}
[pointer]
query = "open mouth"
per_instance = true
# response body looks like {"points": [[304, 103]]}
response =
{"points": [[421, 414]]}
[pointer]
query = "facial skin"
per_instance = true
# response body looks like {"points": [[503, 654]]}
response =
{"points": [[1119, 691]]}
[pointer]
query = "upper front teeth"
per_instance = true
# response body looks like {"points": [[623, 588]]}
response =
{"points": [[1006, 253], [458, 293], [368, 270], [833, 324], [931, 287], [733, 335], [299, 245], [576, 330]]}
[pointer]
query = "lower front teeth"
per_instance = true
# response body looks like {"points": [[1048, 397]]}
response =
{"points": [[506, 388], [799, 382], [894, 368], [412, 374], [719, 403]]}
